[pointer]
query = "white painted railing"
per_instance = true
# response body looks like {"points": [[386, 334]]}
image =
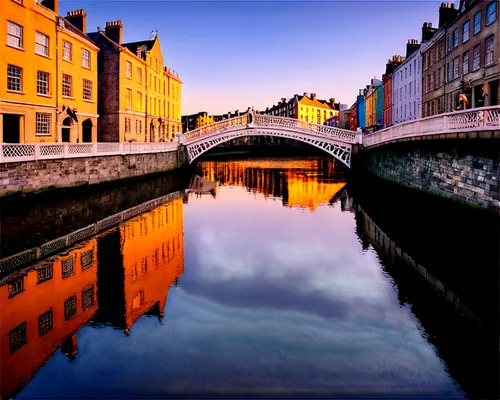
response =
{"points": [[476, 119], [27, 257], [10, 152], [224, 125], [270, 121]]}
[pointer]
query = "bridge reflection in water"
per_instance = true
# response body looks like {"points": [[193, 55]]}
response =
{"points": [[300, 183], [112, 279]]}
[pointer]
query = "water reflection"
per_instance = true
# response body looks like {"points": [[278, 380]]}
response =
{"points": [[112, 279], [300, 183]]}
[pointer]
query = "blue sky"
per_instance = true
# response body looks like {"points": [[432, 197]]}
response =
{"points": [[235, 54]]}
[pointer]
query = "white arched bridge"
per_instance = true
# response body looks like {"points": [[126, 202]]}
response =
{"points": [[335, 141]]}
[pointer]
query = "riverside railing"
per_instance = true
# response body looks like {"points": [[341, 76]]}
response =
{"points": [[14, 152], [27, 257], [476, 119], [224, 125]]}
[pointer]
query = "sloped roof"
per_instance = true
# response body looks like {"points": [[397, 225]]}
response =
{"points": [[72, 28], [132, 46]]}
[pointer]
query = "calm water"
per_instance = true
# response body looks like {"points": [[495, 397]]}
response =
{"points": [[278, 281]]}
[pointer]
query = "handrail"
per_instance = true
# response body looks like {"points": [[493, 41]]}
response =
{"points": [[29, 256], [476, 119], [224, 125], [17, 152]]}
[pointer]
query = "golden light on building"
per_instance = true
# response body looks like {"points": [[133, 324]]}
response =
{"points": [[42, 310], [50, 69]]}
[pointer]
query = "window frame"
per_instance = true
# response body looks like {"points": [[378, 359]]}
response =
{"points": [[88, 60], [479, 13], [12, 35], [478, 47], [18, 79], [465, 62], [455, 38], [66, 50], [40, 83], [43, 327], [66, 85], [37, 44], [128, 71], [493, 5], [466, 38], [492, 38], [43, 124]]}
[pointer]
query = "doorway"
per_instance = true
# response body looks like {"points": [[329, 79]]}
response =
{"points": [[11, 128], [87, 131], [65, 130]]}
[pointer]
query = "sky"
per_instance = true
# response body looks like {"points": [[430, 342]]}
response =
{"points": [[234, 54]]}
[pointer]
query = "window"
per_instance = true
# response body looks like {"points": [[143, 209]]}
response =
{"points": [[139, 101], [477, 23], [87, 259], [129, 97], [68, 267], [476, 57], [465, 63], [139, 74], [67, 85], [42, 44], [455, 37], [16, 286], [488, 56], [43, 124], [88, 297], [138, 126], [438, 78], [70, 307], [67, 51], [409, 72], [85, 58], [491, 12], [127, 125], [87, 90], [42, 82], [14, 78], [466, 32], [448, 41], [128, 69], [14, 35], [45, 323], [426, 85], [455, 68], [448, 72], [17, 337], [44, 274]]}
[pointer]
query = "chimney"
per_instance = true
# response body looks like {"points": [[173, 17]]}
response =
{"points": [[306, 94], [447, 13], [313, 96], [411, 47], [114, 31], [50, 4], [427, 31], [283, 99], [78, 18], [332, 100]]}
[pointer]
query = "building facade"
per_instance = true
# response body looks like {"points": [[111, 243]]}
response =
{"points": [[406, 85], [50, 88], [387, 89], [139, 98], [370, 95], [473, 57]]}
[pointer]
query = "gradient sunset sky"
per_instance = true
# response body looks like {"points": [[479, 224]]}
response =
{"points": [[235, 54]]}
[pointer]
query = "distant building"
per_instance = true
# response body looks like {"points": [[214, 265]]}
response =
{"points": [[361, 112], [387, 79], [193, 121], [370, 94], [406, 85]]}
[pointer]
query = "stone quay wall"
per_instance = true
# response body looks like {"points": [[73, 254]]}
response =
{"points": [[29, 176], [466, 170]]}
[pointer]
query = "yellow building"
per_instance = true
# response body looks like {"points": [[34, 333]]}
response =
{"points": [[50, 81], [139, 98]]}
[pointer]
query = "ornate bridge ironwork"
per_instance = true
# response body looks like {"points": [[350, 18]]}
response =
{"points": [[335, 141]]}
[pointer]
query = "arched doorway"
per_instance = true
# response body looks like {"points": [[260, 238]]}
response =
{"points": [[66, 129], [87, 131]]}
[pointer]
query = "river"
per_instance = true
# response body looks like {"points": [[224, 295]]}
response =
{"points": [[254, 278]]}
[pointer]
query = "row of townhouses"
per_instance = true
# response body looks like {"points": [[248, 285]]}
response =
{"points": [[455, 66], [306, 107], [61, 83]]}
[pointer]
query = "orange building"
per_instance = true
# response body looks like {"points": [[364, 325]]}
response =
{"points": [[144, 257], [42, 310]]}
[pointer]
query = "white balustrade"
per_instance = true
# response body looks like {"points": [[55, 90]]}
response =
{"points": [[47, 151], [476, 119], [224, 125]]}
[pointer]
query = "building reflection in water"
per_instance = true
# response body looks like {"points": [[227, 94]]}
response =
{"points": [[300, 183], [113, 279]]}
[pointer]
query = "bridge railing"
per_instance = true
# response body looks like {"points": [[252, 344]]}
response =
{"points": [[476, 119], [307, 127], [13, 152], [226, 124]]}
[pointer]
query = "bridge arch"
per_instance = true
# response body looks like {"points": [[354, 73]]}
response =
{"points": [[334, 141]]}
